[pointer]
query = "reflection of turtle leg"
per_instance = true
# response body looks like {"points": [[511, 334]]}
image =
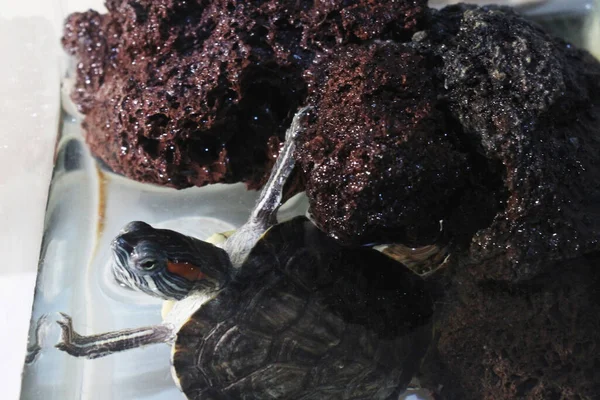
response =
{"points": [[34, 348], [264, 214], [95, 346]]}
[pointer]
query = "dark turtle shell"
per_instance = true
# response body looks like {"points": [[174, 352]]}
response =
{"points": [[307, 319]]}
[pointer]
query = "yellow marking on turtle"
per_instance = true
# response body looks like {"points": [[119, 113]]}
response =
{"points": [[219, 238], [167, 306]]}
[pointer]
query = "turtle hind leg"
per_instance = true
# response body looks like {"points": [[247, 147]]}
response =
{"points": [[270, 196], [264, 214]]}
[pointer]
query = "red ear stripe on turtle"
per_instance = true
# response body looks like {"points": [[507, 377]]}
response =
{"points": [[185, 270]]}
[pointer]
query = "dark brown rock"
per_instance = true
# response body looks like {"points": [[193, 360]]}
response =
{"points": [[529, 104], [379, 158], [185, 93], [536, 340], [518, 315]]}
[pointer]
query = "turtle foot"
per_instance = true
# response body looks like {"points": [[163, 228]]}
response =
{"points": [[69, 342]]}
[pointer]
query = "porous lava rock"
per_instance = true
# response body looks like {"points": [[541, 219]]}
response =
{"points": [[184, 93], [529, 104], [379, 158], [535, 340], [518, 312]]}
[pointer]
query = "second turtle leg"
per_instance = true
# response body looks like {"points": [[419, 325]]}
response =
{"points": [[270, 196], [264, 213]]}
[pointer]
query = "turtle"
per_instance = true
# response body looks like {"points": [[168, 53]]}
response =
{"points": [[280, 310]]}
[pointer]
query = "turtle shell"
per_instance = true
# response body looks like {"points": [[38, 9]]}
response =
{"points": [[307, 319]]}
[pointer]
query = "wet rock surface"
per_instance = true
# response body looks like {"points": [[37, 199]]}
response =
{"points": [[184, 93], [530, 104], [381, 161], [532, 340], [518, 315], [509, 121]]}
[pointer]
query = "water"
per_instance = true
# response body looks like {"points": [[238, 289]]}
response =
{"points": [[86, 209]]}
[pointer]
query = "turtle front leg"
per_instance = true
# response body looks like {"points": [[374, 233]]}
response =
{"points": [[104, 344]]}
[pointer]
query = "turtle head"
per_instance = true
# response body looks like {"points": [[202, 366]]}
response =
{"points": [[165, 263]]}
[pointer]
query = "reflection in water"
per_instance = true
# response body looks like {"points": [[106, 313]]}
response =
{"points": [[36, 339]]}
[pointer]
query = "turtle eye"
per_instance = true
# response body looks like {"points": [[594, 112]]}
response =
{"points": [[148, 265]]}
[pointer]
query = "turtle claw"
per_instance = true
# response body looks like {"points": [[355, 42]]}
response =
{"points": [[67, 344], [66, 325], [301, 114], [66, 320], [66, 316]]}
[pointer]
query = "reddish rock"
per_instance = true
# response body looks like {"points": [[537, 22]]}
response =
{"points": [[380, 160], [519, 310], [537, 340], [184, 93]]}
